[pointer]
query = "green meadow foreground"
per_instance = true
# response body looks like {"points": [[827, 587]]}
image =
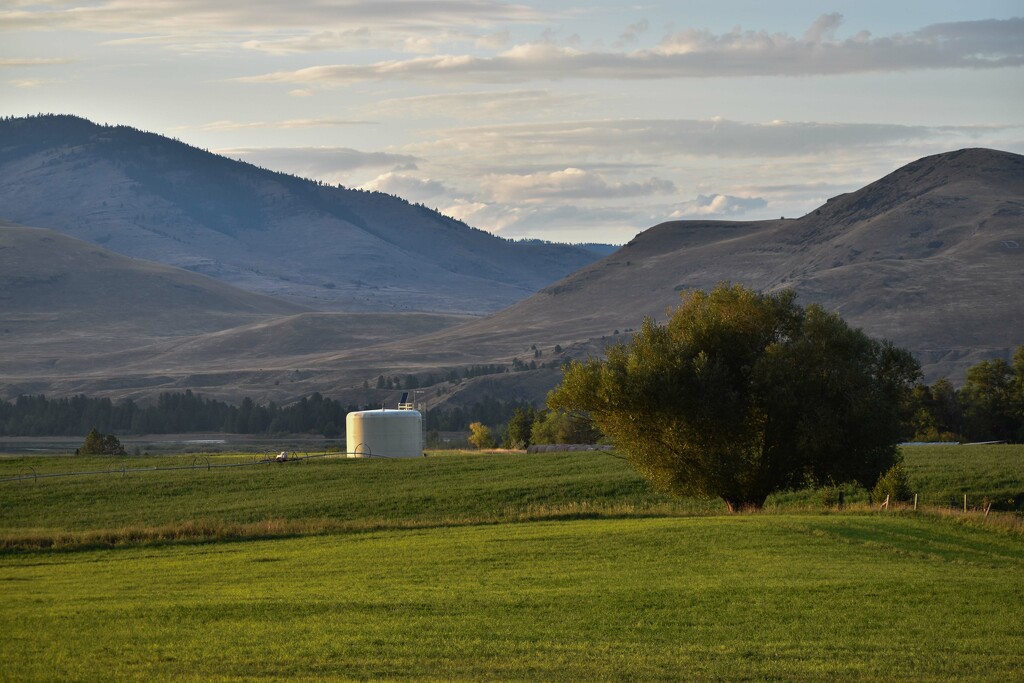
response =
{"points": [[501, 567]]}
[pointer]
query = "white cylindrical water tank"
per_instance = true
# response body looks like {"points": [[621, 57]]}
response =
{"points": [[384, 433]]}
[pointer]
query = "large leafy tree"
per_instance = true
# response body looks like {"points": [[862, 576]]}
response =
{"points": [[741, 394]]}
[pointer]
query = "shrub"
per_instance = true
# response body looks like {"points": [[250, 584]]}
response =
{"points": [[893, 484]]}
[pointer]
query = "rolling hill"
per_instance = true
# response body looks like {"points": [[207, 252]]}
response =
{"points": [[328, 248], [74, 312], [929, 257]]}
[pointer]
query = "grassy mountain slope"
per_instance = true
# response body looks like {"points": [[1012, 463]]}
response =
{"points": [[325, 247], [929, 256], [76, 315]]}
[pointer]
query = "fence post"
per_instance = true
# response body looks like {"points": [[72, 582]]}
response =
{"points": [[915, 502], [965, 502]]}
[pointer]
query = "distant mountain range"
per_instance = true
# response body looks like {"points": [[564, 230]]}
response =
{"points": [[929, 256], [324, 247]]}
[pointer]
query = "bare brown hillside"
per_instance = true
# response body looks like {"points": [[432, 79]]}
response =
{"points": [[325, 247], [75, 318], [930, 257]]}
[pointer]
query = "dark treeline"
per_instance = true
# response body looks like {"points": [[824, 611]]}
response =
{"points": [[173, 413], [989, 406], [178, 413]]}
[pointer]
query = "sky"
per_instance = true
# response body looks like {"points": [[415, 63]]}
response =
{"points": [[559, 120]]}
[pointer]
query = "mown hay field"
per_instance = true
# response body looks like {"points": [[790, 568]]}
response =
{"points": [[496, 567]]}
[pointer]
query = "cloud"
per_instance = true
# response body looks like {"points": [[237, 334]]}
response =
{"points": [[494, 41], [26, 83], [476, 104], [651, 139], [823, 29], [633, 32], [491, 217], [718, 205], [324, 163], [992, 43], [289, 124], [31, 62], [568, 183], [272, 26], [406, 186], [575, 222], [352, 39]]}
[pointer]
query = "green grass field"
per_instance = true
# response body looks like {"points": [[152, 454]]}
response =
{"points": [[497, 567]]}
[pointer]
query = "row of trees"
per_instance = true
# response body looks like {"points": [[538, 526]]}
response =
{"points": [[529, 425], [177, 413], [173, 413], [988, 407]]}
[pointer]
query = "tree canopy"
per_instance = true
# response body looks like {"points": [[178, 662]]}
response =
{"points": [[742, 394], [100, 444]]}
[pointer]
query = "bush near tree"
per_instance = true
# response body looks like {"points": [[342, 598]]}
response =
{"points": [[742, 394]]}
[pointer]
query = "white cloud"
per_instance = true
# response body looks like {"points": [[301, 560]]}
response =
{"points": [[271, 26], [352, 39], [472, 105], [332, 164], [653, 139], [29, 82], [568, 183], [701, 54], [491, 217], [213, 15], [498, 40], [289, 124], [406, 186], [718, 205], [31, 62]]}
